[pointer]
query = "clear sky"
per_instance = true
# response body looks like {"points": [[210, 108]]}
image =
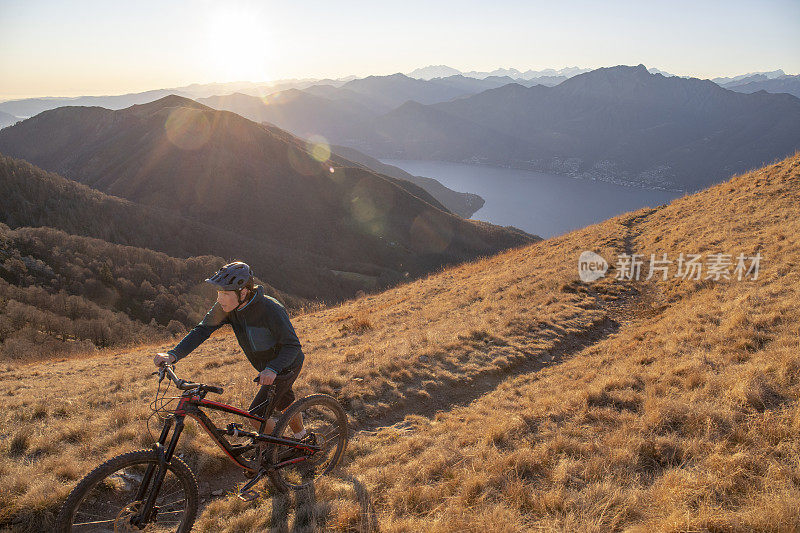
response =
{"points": [[86, 47]]}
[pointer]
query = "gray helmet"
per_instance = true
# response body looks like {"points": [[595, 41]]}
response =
{"points": [[232, 277]]}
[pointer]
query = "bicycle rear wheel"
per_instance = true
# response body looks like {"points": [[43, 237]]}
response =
{"points": [[105, 500], [324, 418]]}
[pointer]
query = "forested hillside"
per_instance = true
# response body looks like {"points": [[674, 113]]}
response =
{"points": [[62, 294]]}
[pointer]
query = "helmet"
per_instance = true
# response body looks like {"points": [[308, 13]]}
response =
{"points": [[232, 277]]}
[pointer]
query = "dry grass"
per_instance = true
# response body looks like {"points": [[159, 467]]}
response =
{"points": [[501, 395]]}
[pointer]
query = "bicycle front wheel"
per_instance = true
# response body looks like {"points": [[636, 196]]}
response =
{"points": [[326, 423], [105, 500]]}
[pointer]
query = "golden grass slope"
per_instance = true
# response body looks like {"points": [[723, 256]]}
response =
{"points": [[499, 395]]}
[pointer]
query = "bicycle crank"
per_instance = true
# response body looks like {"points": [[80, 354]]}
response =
{"points": [[246, 493]]}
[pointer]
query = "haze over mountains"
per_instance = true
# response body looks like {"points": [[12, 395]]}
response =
{"points": [[257, 182], [441, 71], [620, 124], [626, 125], [475, 80], [28, 107], [617, 124], [7, 119], [80, 268], [780, 84], [729, 81]]}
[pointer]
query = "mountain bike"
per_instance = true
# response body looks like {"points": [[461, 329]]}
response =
{"points": [[155, 489]]}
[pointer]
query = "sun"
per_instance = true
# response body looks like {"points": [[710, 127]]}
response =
{"points": [[238, 44]]}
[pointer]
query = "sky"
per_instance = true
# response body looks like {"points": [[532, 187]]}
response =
{"points": [[85, 47]]}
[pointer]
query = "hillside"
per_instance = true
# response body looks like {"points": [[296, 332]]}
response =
{"points": [[317, 112], [28, 107], [302, 112], [463, 204], [63, 294], [503, 394], [30, 196], [221, 169]]}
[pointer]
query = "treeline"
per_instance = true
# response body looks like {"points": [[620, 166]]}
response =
{"points": [[62, 293]]}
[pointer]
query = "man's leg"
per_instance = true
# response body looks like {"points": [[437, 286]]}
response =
{"points": [[287, 398], [259, 407], [284, 396], [269, 426], [296, 423]]}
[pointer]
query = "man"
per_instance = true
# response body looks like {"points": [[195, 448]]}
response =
{"points": [[264, 332]]}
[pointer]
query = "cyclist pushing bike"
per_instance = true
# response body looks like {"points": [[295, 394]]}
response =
{"points": [[154, 489], [264, 332]]}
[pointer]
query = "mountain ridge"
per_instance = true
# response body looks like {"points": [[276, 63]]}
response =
{"points": [[178, 154]]}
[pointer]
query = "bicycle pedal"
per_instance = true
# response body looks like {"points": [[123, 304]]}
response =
{"points": [[248, 495]]}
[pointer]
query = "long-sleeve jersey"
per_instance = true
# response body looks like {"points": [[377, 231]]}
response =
{"points": [[262, 328]]}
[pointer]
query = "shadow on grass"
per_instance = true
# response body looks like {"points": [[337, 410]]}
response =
{"points": [[312, 515]]}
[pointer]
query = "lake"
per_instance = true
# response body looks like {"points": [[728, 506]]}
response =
{"points": [[542, 204]]}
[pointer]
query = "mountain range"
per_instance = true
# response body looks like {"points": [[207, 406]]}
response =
{"points": [[759, 82], [621, 124], [260, 184], [440, 71], [7, 119], [27, 107]]}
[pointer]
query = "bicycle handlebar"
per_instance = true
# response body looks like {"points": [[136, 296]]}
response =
{"points": [[167, 370]]}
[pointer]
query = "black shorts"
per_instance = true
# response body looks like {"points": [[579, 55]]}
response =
{"points": [[284, 395]]}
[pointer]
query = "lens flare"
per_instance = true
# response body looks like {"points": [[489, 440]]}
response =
{"points": [[369, 205], [338, 175], [430, 235], [302, 162], [363, 209], [187, 128], [319, 148], [279, 97]]}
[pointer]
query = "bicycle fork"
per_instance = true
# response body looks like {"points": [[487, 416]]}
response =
{"points": [[157, 472]]}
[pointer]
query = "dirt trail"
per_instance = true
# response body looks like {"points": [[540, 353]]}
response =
{"points": [[447, 395]]}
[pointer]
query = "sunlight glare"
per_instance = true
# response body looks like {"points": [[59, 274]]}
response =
{"points": [[238, 44]]}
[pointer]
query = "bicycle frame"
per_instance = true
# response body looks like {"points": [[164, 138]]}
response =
{"points": [[191, 404]]}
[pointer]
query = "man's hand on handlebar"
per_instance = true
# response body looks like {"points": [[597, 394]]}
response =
{"points": [[161, 358]]}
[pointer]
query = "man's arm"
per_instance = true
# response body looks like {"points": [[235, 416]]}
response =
{"points": [[213, 320], [285, 338]]}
